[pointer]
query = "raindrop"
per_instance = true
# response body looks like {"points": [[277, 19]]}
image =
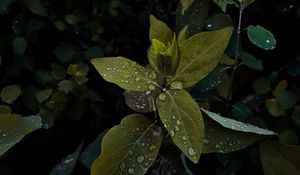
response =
{"points": [[140, 159], [152, 147], [191, 151], [183, 138], [130, 170], [162, 96], [130, 152], [151, 87], [176, 128], [122, 166], [209, 25], [268, 41], [172, 133], [173, 117], [176, 85], [137, 79], [178, 122], [148, 92], [153, 75]]}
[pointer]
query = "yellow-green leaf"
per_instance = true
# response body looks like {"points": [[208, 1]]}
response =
{"points": [[10, 93], [159, 30], [181, 116], [13, 129], [129, 148], [274, 107], [279, 159], [125, 73], [4, 109], [183, 35], [200, 54], [281, 86], [185, 5]]}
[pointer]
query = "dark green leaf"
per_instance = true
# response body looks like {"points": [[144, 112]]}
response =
{"points": [[67, 165], [92, 52], [279, 159], [261, 85], [64, 53], [125, 73], [43, 95], [200, 54], [58, 72], [36, 7], [13, 129], [218, 21], [261, 37], [66, 85], [287, 99], [10, 93], [181, 116], [288, 137], [4, 109], [20, 45], [159, 31], [129, 148], [250, 61]]}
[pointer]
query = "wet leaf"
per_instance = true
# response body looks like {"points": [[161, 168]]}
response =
{"points": [[129, 148], [182, 118], [20, 45], [274, 107], [64, 53], [261, 85], [43, 95], [223, 140], [223, 4], [67, 165], [13, 128], [36, 7], [159, 31], [261, 37], [251, 62], [10, 93], [236, 125], [217, 22], [185, 5], [281, 86], [200, 54], [287, 99], [278, 158], [125, 73], [92, 151], [4, 109]]}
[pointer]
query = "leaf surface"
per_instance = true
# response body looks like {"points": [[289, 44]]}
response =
{"points": [[261, 37], [159, 30]]}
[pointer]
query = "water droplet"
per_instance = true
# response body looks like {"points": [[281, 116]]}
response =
{"points": [[176, 85], [152, 147], [122, 166], [172, 133], [176, 128], [183, 137], [162, 96], [178, 122], [148, 92], [268, 41], [130, 170], [140, 159], [209, 25], [137, 79], [151, 87], [205, 141], [173, 117], [153, 75], [130, 152], [191, 151]]}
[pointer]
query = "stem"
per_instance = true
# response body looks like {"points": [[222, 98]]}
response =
{"points": [[236, 55]]}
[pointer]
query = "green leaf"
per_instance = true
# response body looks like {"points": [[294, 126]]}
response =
{"points": [[278, 158], [125, 73], [236, 125], [182, 36], [261, 37], [20, 45], [287, 99], [4, 109], [261, 85], [92, 52], [4, 4], [185, 5], [246, 3], [159, 31], [181, 116], [36, 7], [129, 148], [67, 165], [64, 53], [281, 86], [200, 54], [66, 86], [10, 93], [223, 140], [13, 129], [43, 95], [223, 4], [71, 19], [58, 72], [92, 151], [218, 21], [251, 62], [274, 107], [288, 137]]}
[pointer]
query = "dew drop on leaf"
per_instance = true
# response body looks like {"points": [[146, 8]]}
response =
{"points": [[162, 96], [122, 166], [191, 151], [176, 85], [140, 159], [130, 170]]}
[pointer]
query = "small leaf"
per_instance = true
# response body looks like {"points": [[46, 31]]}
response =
{"points": [[66, 86], [236, 125], [287, 99], [261, 85], [182, 36], [181, 116], [13, 129], [219, 139], [185, 5], [64, 53], [274, 107], [92, 52], [92, 151], [159, 31], [261, 37], [71, 19], [129, 148], [281, 86], [58, 72], [278, 158], [200, 54], [251, 62], [223, 4], [36, 7], [20, 45], [4, 109], [218, 21], [125, 73], [43, 95], [10, 93], [67, 165]]}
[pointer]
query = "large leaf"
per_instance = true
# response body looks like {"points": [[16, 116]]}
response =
{"points": [[129, 148], [250, 61], [159, 30], [181, 116], [236, 125], [67, 165], [223, 140], [279, 159], [200, 54], [261, 37], [125, 73], [13, 129]]}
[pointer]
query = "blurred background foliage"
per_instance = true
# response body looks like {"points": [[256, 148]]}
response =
{"points": [[45, 48]]}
